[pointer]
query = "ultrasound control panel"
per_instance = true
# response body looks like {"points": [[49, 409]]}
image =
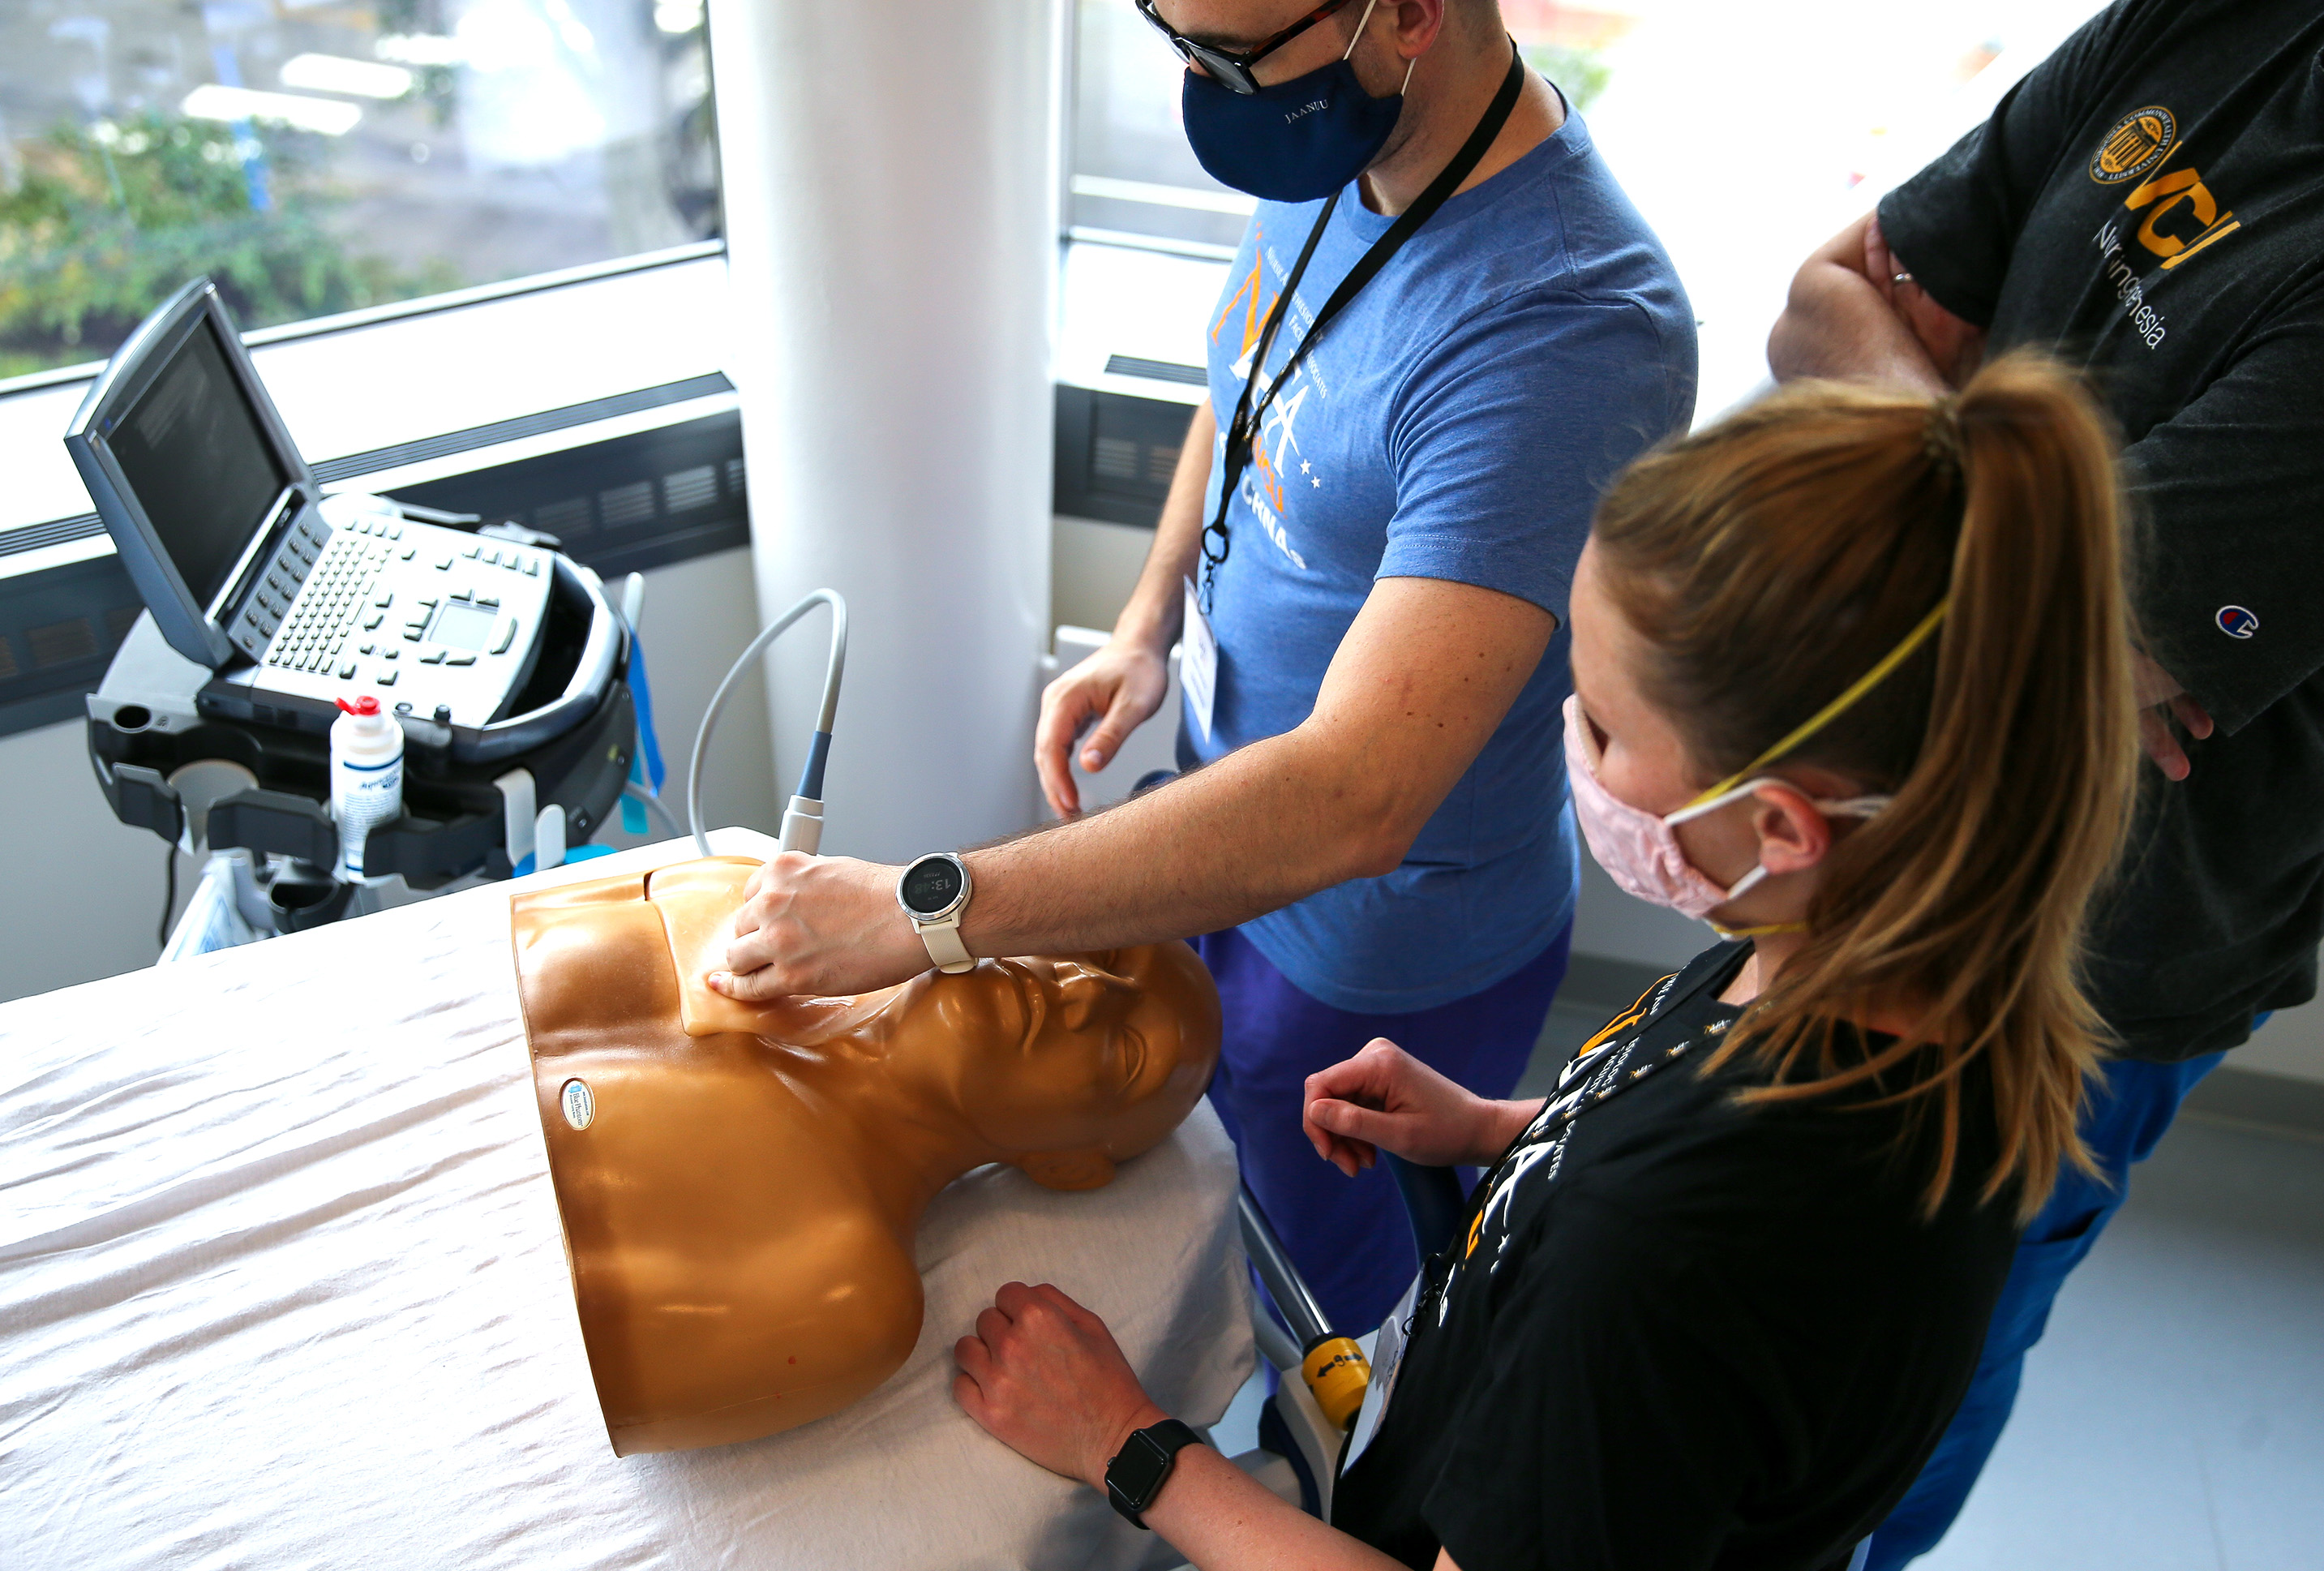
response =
{"points": [[355, 602]]}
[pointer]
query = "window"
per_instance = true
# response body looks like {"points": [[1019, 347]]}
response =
{"points": [[1134, 176], [1747, 131], [316, 157]]}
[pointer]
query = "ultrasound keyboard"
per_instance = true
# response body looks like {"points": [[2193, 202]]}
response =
{"points": [[355, 602]]}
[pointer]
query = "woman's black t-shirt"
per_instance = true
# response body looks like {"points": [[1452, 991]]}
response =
{"points": [[1680, 1332]]}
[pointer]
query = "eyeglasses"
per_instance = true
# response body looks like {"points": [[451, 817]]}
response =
{"points": [[1232, 68]]}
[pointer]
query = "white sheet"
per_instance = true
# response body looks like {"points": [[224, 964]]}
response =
{"points": [[280, 1285]]}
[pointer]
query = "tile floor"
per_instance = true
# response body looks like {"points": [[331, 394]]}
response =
{"points": [[2172, 1419]]}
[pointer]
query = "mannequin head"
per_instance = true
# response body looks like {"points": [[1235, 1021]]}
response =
{"points": [[1080, 1061]]}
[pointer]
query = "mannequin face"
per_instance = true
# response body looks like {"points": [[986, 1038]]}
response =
{"points": [[1088, 1051], [740, 1198]]}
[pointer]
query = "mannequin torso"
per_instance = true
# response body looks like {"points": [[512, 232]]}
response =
{"points": [[740, 1196]]}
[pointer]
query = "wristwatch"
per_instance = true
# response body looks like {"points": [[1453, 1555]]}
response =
{"points": [[1140, 1469], [934, 893]]}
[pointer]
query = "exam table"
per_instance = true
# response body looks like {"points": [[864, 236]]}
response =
{"points": [[281, 1285]]}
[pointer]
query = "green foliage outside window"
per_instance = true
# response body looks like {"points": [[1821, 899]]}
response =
{"points": [[107, 221], [1581, 73]]}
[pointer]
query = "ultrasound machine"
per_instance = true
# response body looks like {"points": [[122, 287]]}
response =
{"points": [[266, 602]]}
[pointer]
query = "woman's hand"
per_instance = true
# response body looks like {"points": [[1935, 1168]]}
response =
{"points": [[1118, 688], [1384, 1099], [1044, 1378]]}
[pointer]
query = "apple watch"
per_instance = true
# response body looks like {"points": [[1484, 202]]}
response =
{"points": [[1141, 1468], [934, 893]]}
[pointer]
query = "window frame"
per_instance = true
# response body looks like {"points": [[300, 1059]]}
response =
{"points": [[31, 447]]}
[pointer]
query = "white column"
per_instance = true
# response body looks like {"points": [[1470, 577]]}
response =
{"points": [[891, 179]]}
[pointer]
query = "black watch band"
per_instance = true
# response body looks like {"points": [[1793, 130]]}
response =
{"points": [[1140, 1469]]}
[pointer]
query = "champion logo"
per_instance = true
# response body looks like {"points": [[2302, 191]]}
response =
{"points": [[2235, 622]]}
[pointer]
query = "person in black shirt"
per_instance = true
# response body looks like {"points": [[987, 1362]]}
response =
{"points": [[1682, 1332], [2148, 203], [1719, 1295]]}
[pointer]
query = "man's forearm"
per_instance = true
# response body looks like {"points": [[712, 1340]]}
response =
{"points": [[1414, 692], [1263, 827], [1152, 615]]}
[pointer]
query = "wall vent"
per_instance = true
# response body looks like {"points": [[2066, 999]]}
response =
{"points": [[563, 519], [1115, 454], [626, 505], [61, 643], [690, 488]]}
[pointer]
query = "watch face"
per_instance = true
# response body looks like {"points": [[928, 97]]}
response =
{"points": [[930, 884], [1138, 1469]]}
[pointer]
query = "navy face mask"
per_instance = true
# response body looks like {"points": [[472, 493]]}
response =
{"points": [[1296, 142]]}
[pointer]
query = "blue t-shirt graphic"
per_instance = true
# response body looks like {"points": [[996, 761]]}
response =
{"points": [[1457, 420]]}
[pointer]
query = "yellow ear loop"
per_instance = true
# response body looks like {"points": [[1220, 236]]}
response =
{"points": [[1825, 715], [1761, 931], [1815, 723]]}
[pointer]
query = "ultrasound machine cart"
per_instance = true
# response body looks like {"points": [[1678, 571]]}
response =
{"points": [[266, 601]]}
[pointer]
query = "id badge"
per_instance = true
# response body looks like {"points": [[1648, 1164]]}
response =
{"points": [[1387, 1362], [1198, 662]]}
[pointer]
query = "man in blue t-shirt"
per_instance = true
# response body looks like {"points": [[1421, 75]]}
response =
{"points": [[1378, 841]]}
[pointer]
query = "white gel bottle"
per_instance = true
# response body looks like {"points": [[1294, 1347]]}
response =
{"points": [[366, 777]]}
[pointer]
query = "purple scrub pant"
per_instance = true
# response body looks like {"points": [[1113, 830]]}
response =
{"points": [[1349, 1236]]}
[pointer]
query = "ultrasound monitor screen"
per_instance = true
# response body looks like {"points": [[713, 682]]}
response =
{"points": [[199, 463]]}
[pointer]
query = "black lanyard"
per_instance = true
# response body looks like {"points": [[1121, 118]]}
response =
{"points": [[1242, 432]]}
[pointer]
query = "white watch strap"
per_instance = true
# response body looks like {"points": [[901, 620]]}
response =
{"points": [[944, 947]]}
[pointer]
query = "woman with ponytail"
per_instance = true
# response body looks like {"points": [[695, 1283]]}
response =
{"points": [[1851, 682]]}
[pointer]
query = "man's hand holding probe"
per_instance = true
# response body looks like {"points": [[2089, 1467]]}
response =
{"points": [[1417, 686], [823, 925]]}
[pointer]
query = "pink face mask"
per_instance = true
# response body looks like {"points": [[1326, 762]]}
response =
{"points": [[1640, 852]]}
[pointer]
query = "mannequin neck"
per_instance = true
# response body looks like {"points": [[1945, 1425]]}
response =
{"points": [[914, 1134]]}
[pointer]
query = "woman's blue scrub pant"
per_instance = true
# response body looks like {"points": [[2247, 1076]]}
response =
{"points": [[2126, 1114], [1349, 1236]]}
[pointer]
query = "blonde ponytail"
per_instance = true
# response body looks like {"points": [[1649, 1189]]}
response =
{"points": [[1769, 561]]}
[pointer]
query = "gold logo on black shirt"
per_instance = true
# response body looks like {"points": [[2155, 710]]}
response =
{"points": [[2139, 141]]}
